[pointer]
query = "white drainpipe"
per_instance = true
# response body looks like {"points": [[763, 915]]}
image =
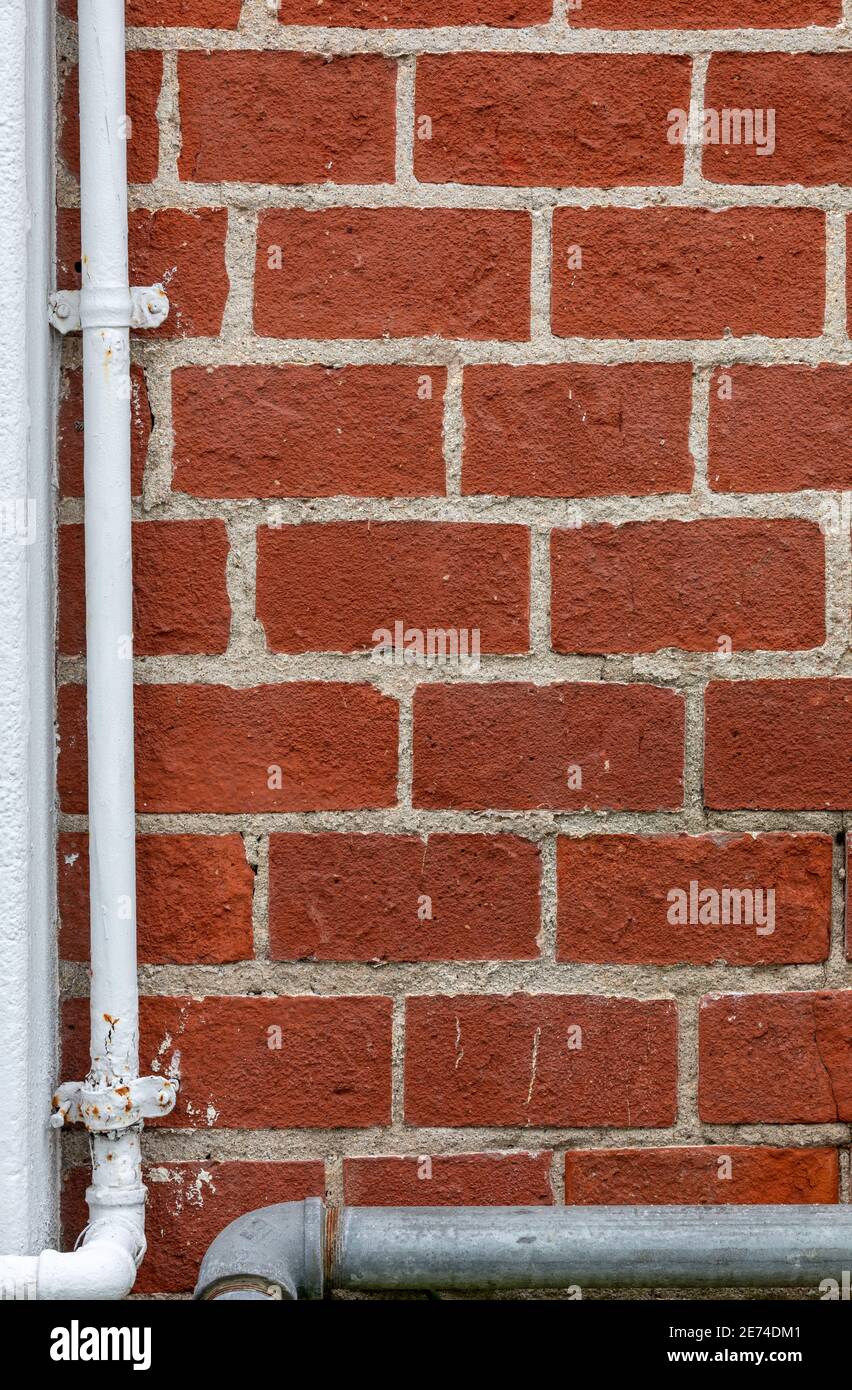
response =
{"points": [[112, 1101]]}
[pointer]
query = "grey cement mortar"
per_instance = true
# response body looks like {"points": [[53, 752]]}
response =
{"points": [[247, 661]]}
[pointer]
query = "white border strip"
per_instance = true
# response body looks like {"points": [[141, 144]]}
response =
{"points": [[28, 990]]}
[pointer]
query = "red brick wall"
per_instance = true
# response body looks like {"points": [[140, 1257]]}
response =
{"points": [[460, 339]]}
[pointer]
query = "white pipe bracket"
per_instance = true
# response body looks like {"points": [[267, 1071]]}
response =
{"points": [[144, 306], [107, 1108]]}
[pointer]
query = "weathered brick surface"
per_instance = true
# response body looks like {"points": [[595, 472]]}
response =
{"points": [[206, 14], [180, 600], [502, 118], [810, 138], [144, 80], [333, 587], [452, 1180], [688, 273], [555, 747], [276, 747], [308, 431], [286, 118], [405, 14], [560, 1060], [779, 429], [577, 431], [396, 897], [194, 900], [699, 1177], [778, 744], [776, 1058], [70, 432], [618, 898], [705, 14], [641, 587], [400, 273], [184, 250]]}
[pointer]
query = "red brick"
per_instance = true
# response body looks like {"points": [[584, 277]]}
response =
{"points": [[185, 251], [287, 117], [200, 14], [577, 431], [778, 744], [70, 432], [144, 80], [614, 898], [415, 14], [515, 746], [649, 585], [704, 14], [515, 1060], [210, 747], [809, 94], [776, 1058], [779, 429], [688, 272], [308, 431], [393, 272], [334, 586], [451, 1180], [332, 1069], [194, 898], [527, 119], [180, 597], [188, 1205], [358, 897], [698, 1177]]}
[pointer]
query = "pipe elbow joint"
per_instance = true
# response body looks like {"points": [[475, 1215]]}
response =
{"points": [[98, 1270], [276, 1252]]}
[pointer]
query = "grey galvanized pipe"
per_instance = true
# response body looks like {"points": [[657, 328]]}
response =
{"points": [[301, 1250], [594, 1247]]}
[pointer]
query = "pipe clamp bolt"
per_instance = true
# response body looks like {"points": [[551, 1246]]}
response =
{"points": [[144, 306], [108, 1108]]}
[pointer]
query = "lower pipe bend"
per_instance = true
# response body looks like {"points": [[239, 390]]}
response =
{"points": [[103, 1267]]}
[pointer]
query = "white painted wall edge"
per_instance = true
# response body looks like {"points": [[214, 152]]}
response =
{"points": [[28, 391]]}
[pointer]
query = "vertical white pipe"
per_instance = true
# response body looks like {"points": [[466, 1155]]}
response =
{"points": [[105, 316], [104, 1265], [105, 301]]}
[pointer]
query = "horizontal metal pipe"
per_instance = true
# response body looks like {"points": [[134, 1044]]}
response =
{"points": [[603, 1247]]}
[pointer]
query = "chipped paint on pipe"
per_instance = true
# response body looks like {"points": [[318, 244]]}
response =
{"points": [[109, 612], [116, 1196]]}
